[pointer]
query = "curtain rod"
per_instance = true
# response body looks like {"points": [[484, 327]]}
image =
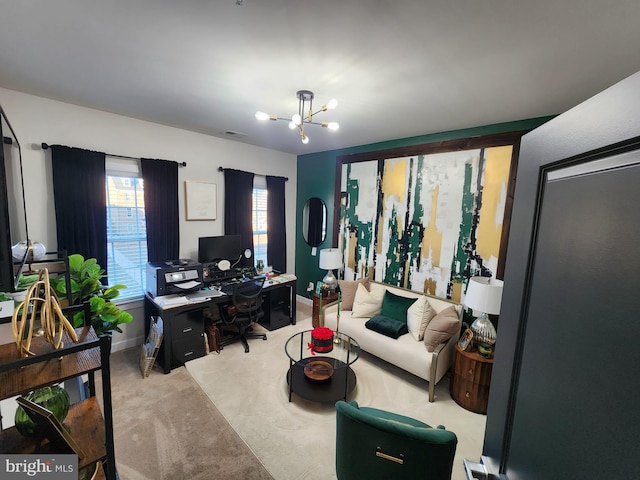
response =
{"points": [[182, 164], [222, 169]]}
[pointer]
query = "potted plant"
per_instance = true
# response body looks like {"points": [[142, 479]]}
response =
{"points": [[86, 286], [6, 305], [24, 283]]}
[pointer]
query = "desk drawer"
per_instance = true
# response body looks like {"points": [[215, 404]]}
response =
{"points": [[187, 324], [277, 308], [472, 370], [187, 349]]}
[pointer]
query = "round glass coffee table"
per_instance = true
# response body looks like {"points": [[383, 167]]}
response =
{"points": [[321, 377]]}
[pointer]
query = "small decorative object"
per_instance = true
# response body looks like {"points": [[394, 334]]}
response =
{"points": [[321, 340], [36, 250], [484, 351], [49, 427], [40, 303], [336, 340], [260, 267], [318, 370], [53, 398], [465, 339]]}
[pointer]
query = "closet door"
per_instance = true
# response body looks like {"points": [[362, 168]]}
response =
{"points": [[564, 389]]}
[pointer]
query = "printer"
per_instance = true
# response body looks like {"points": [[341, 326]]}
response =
{"points": [[173, 277]]}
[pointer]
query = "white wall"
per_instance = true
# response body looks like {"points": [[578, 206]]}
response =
{"points": [[36, 120]]}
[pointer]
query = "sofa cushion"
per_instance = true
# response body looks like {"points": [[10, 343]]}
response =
{"points": [[418, 317], [390, 327], [348, 291], [367, 303], [396, 306], [441, 328]]}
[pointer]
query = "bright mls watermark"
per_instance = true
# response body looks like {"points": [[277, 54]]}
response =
{"points": [[51, 467]]}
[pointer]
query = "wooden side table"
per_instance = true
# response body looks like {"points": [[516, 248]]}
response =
{"points": [[315, 315], [470, 380]]}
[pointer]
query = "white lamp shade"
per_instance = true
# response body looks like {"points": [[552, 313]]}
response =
{"points": [[330, 258], [484, 294]]}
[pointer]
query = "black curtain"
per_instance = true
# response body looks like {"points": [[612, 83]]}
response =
{"points": [[238, 205], [276, 224], [161, 209], [79, 193]]}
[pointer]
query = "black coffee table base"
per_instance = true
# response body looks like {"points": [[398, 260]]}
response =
{"points": [[341, 383]]}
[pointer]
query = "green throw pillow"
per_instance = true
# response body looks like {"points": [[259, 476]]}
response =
{"points": [[387, 326], [395, 306]]}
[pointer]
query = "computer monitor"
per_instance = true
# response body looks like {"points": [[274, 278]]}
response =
{"points": [[223, 247]]}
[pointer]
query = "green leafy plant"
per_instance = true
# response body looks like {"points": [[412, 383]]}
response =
{"points": [[86, 286], [25, 281], [5, 298]]}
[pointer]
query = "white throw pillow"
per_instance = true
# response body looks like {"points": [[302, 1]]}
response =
{"points": [[368, 303], [418, 317]]}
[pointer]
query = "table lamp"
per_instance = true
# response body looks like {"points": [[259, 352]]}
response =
{"points": [[330, 260], [484, 294]]}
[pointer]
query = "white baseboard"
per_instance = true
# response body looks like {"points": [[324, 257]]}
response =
{"points": [[127, 343]]}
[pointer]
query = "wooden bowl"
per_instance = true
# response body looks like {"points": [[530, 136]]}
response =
{"points": [[318, 370]]}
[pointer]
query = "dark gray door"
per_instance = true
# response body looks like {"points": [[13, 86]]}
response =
{"points": [[564, 392]]}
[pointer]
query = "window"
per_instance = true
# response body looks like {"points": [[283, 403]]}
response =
{"points": [[259, 220], [126, 227]]}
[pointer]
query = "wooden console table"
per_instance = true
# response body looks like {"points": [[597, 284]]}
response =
{"points": [[470, 380]]}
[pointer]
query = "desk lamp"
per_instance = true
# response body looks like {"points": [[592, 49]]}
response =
{"points": [[484, 294], [330, 260]]}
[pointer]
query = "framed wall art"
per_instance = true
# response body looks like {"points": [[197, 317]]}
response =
{"points": [[200, 200], [427, 217]]}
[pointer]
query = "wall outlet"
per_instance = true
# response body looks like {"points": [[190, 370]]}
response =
{"points": [[310, 287]]}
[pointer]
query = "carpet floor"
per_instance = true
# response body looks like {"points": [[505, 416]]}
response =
{"points": [[165, 428], [296, 440]]}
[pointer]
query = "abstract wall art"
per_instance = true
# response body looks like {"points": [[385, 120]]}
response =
{"points": [[426, 222]]}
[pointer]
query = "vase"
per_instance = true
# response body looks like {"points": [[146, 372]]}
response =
{"points": [[53, 398], [37, 251]]}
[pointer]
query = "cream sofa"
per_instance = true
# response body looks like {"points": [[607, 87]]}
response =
{"points": [[405, 352]]}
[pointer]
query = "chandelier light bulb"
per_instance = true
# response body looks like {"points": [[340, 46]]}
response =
{"points": [[300, 119]]}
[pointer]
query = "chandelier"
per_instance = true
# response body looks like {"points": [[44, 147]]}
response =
{"points": [[298, 120]]}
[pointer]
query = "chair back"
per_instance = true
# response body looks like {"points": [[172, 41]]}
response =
{"points": [[376, 444], [247, 296]]}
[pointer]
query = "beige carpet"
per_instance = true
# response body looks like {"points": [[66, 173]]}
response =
{"points": [[296, 440], [166, 428]]}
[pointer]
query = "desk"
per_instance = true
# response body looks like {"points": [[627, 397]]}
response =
{"points": [[184, 324]]}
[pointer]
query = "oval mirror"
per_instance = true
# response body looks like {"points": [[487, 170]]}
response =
{"points": [[314, 221]]}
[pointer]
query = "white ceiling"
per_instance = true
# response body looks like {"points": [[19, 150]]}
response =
{"points": [[398, 68]]}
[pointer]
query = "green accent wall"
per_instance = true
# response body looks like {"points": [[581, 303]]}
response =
{"points": [[317, 177]]}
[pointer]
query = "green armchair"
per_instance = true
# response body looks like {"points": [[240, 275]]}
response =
{"points": [[376, 444]]}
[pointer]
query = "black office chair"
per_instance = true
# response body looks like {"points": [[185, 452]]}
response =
{"points": [[244, 311]]}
